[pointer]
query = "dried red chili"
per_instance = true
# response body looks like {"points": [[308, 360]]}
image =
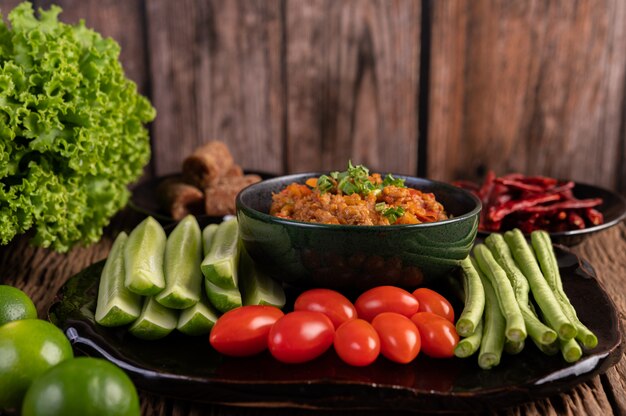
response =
{"points": [[532, 203]]}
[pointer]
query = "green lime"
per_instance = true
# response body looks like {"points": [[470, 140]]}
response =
{"points": [[15, 304], [27, 349], [83, 386]]}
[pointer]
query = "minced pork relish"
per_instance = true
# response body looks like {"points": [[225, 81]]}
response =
{"points": [[355, 197]]}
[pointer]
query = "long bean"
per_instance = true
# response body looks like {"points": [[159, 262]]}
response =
{"points": [[492, 343], [570, 350], [537, 330], [474, 300], [469, 345], [549, 349], [515, 330], [542, 244], [545, 298], [513, 347]]}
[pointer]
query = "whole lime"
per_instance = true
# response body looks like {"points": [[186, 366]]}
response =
{"points": [[28, 348], [15, 304], [82, 386]]}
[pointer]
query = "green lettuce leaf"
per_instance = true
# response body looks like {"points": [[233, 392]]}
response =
{"points": [[72, 134]]}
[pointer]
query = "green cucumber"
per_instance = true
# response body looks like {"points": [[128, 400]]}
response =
{"points": [[181, 266], [257, 287], [198, 319], [220, 264], [208, 235], [223, 299], [143, 258], [116, 305], [155, 322]]}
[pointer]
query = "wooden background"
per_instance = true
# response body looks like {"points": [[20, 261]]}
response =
{"points": [[445, 89]]}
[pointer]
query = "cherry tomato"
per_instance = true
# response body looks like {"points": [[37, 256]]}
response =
{"points": [[357, 342], [439, 337], [243, 331], [301, 336], [385, 299], [431, 301], [399, 338], [331, 303]]}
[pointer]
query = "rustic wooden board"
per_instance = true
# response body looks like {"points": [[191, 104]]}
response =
{"points": [[352, 84], [216, 74], [534, 86]]}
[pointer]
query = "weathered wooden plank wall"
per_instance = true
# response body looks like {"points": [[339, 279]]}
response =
{"points": [[216, 74], [532, 86], [293, 85], [352, 75]]}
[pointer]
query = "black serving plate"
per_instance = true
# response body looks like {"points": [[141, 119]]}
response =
{"points": [[188, 368], [613, 208], [144, 199]]}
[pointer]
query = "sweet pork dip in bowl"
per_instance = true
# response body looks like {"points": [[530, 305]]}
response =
{"points": [[356, 230]]}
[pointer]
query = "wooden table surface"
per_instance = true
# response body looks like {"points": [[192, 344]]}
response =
{"points": [[41, 272]]}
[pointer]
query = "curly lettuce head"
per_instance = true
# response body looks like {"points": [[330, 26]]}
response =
{"points": [[72, 133]]}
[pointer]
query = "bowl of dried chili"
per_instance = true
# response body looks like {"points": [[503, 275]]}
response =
{"points": [[570, 211]]}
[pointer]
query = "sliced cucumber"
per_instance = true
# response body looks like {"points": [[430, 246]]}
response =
{"points": [[143, 258], [257, 287], [208, 235], [116, 305], [220, 264], [181, 266], [199, 319], [156, 321], [223, 299]]}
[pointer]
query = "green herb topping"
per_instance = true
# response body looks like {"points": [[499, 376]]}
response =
{"points": [[355, 180], [392, 213]]}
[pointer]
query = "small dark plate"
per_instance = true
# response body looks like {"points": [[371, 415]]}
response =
{"points": [[188, 368], [144, 199], [613, 208]]}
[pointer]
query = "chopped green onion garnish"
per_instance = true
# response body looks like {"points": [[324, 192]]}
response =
{"points": [[390, 180], [324, 184], [380, 206], [347, 187], [393, 213], [355, 180]]}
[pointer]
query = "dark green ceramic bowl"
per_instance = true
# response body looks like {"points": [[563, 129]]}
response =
{"points": [[356, 257]]}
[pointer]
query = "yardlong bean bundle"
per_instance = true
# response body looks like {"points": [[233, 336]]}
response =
{"points": [[515, 330], [542, 244], [474, 307], [499, 312], [542, 293], [492, 343], [536, 329]]}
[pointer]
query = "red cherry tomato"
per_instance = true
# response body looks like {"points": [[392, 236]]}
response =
{"points": [[399, 338], [331, 303], [385, 299], [439, 337], [301, 336], [431, 301], [243, 331], [357, 342]]}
